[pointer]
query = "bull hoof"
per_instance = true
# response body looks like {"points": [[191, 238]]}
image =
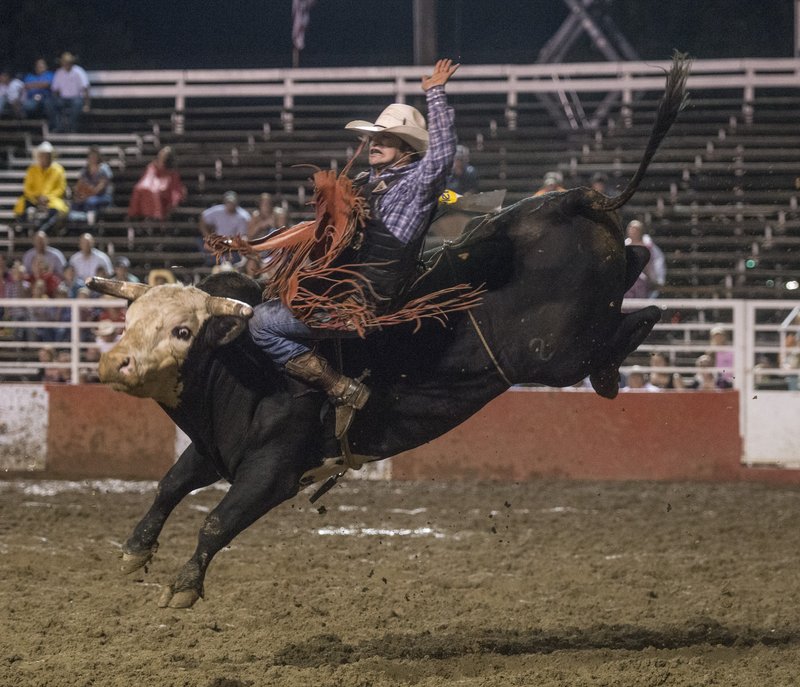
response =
{"points": [[172, 599], [133, 561]]}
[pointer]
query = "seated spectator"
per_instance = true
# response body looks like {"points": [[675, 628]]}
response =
{"points": [[18, 286], [70, 88], [88, 259], [54, 257], [94, 190], [463, 177], [262, 221], [707, 380], [654, 275], [71, 283], [88, 374], [663, 380], [12, 94], [43, 312], [44, 188], [48, 374], [790, 358], [718, 337], [637, 379], [159, 277], [551, 183], [106, 334], [40, 271], [122, 270], [159, 189], [38, 101], [227, 218]]}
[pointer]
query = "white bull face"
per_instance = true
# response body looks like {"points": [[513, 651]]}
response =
{"points": [[161, 326]]}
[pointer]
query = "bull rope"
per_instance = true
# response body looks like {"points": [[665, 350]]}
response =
{"points": [[478, 330]]}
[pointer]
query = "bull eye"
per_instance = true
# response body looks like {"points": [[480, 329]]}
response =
{"points": [[182, 333]]}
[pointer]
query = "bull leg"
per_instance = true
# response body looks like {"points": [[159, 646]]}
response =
{"points": [[259, 485], [191, 471]]}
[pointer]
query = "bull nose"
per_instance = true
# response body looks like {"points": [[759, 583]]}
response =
{"points": [[114, 367]]}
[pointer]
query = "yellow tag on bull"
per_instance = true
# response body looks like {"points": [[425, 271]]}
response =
{"points": [[449, 197]]}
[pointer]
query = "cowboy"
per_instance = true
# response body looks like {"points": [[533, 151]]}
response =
{"points": [[409, 163]]}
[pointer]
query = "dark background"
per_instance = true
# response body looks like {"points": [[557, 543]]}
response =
{"points": [[138, 34]]}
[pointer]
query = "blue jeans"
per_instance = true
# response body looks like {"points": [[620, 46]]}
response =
{"points": [[67, 112], [278, 333]]}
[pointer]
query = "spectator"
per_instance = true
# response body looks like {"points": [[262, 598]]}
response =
{"points": [[122, 270], [40, 271], [463, 176], [38, 101], [637, 379], [790, 358], [44, 188], [12, 94], [70, 88], [93, 191], [724, 359], [106, 335], [706, 380], [18, 286], [251, 267], [653, 276], [71, 283], [159, 189], [48, 374], [88, 259], [227, 218], [262, 221], [551, 183], [54, 257], [599, 183], [663, 380], [43, 312], [159, 277]]}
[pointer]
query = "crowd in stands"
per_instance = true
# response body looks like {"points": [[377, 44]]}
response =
{"points": [[58, 97]]}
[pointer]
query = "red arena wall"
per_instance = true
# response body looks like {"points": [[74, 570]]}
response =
{"points": [[96, 432], [526, 434]]}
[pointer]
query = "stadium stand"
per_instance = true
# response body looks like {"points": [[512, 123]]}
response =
{"points": [[719, 197]]}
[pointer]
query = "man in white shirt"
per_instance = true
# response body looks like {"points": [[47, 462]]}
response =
{"points": [[70, 90], [88, 259], [227, 218]]}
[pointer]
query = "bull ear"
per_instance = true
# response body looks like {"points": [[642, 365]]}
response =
{"points": [[121, 289], [217, 305], [223, 330]]}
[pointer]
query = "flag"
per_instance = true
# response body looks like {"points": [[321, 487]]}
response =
{"points": [[301, 14]]}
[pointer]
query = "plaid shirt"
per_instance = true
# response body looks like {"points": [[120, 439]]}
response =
{"points": [[407, 206]]}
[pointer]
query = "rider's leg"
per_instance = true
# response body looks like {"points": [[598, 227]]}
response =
{"points": [[281, 335]]}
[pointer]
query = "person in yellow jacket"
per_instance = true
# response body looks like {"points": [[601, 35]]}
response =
{"points": [[44, 188]]}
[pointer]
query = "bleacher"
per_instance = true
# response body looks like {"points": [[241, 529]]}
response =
{"points": [[719, 197]]}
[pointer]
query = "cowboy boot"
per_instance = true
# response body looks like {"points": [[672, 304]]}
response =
{"points": [[347, 394]]}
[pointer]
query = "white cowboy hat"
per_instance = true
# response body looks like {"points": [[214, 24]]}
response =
{"points": [[401, 120], [44, 147]]}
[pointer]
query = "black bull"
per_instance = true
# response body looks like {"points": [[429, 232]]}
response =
{"points": [[555, 268]]}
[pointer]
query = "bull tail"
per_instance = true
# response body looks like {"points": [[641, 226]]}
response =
{"points": [[672, 102]]}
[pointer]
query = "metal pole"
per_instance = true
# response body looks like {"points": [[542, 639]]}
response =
{"points": [[797, 28], [425, 48]]}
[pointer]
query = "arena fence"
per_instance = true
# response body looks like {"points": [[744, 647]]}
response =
{"points": [[50, 341]]}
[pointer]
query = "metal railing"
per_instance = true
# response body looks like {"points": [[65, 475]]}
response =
{"points": [[285, 85], [58, 325]]}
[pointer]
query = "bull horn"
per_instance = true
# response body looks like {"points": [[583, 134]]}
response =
{"points": [[121, 289], [218, 305]]}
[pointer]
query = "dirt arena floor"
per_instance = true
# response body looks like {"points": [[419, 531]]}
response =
{"points": [[536, 585]]}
